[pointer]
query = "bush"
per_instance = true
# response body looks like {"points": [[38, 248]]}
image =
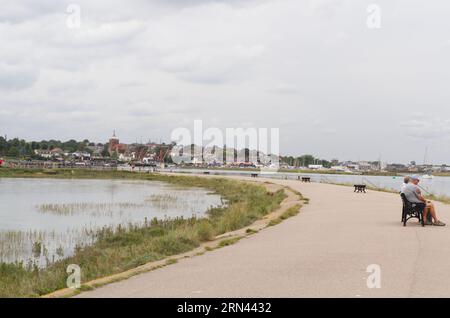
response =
{"points": [[233, 220], [205, 231]]}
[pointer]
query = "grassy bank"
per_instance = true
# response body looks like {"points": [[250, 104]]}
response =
{"points": [[117, 250], [293, 211]]}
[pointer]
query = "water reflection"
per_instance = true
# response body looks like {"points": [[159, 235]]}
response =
{"points": [[44, 219], [437, 185]]}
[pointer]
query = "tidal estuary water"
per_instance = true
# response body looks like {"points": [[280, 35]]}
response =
{"points": [[43, 220], [437, 185]]}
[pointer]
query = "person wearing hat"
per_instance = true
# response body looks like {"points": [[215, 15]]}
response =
{"points": [[414, 195]]}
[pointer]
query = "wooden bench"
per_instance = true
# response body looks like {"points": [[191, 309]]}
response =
{"points": [[411, 210], [360, 188], [205, 172], [306, 179], [254, 175]]}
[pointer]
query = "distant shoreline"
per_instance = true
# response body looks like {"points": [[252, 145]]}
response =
{"points": [[306, 171], [5, 171]]}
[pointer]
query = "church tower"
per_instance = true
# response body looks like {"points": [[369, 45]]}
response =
{"points": [[113, 143]]}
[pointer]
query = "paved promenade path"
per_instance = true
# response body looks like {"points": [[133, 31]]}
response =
{"points": [[322, 252]]}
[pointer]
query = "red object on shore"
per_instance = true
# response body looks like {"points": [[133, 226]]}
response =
{"points": [[1, 162]]}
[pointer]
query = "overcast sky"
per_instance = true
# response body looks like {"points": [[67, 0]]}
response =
{"points": [[335, 87]]}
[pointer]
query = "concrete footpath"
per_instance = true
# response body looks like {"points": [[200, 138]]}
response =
{"points": [[322, 252]]}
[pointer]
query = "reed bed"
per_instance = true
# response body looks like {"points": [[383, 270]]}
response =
{"points": [[41, 248], [93, 209]]}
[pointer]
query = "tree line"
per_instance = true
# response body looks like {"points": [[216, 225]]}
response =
{"points": [[305, 161], [16, 148], [20, 148]]}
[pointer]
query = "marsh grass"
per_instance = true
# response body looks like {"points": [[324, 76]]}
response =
{"points": [[171, 261], [166, 201], [205, 230], [163, 201], [91, 208], [274, 222], [228, 242], [293, 211], [286, 215], [37, 248], [251, 231], [119, 249]]}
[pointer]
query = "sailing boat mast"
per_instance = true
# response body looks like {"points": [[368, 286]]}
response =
{"points": [[425, 156], [428, 172]]}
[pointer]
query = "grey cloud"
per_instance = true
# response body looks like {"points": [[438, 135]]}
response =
{"points": [[13, 78], [13, 11], [427, 127], [72, 88], [19, 11], [311, 68], [128, 84], [211, 66], [284, 88], [99, 35]]}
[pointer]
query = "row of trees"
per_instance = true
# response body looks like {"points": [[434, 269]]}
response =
{"points": [[21, 148], [305, 160]]}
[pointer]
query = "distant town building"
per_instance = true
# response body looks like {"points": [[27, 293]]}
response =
{"points": [[44, 153], [364, 166], [56, 152], [113, 142], [116, 146], [96, 149], [339, 168], [396, 167]]}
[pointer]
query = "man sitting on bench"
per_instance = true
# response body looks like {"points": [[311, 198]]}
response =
{"points": [[414, 195]]}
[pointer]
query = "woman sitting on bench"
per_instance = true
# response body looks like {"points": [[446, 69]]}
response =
{"points": [[414, 195], [405, 184]]}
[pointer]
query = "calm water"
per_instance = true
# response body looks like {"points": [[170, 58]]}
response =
{"points": [[44, 219], [438, 185]]}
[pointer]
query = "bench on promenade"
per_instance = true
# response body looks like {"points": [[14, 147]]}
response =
{"points": [[360, 188], [411, 210], [205, 172], [306, 179], [254, 175]]}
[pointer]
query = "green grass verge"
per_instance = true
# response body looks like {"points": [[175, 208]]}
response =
{"points": [[118, 250], [286, 214], [228, 242]]}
